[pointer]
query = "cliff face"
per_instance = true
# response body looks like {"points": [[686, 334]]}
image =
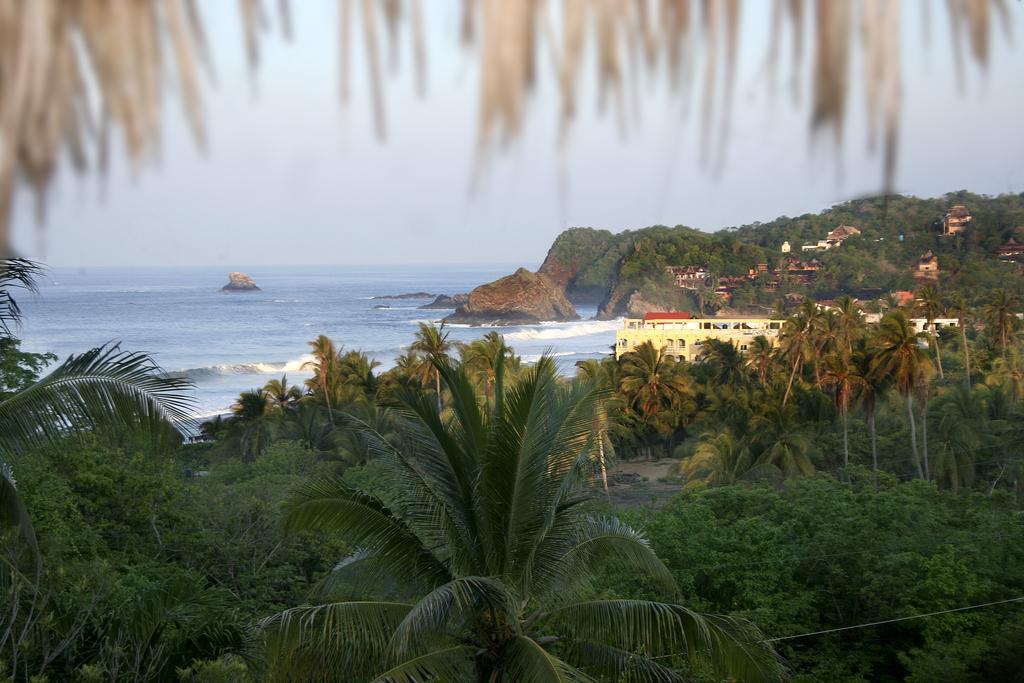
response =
{"points": [[581, 261], [520, 298]]}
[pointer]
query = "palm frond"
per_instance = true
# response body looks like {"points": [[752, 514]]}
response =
{"points": [[104, 386], [449, 603], [330, 504], [527, 662], [660, 629], [445, 664], [562, 558], [431, 499], [308, 643], [15, 273], [612, 663]]}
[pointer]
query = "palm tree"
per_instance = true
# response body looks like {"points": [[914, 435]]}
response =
{"points": [[796, 342], [431, 343], [841, 374], [252, 420], [1008, 373], [484, 533], [325, 370], [962, 312], [851, 322], [719, 458], [653, 386], [1000, 317], [928, 303], [786, 446], [356, 381], [281, 394], [828, 338], [960, 431], [870, 390], [602, 377], [725, 363], [481, 357], [761, 359], [898, 355]]}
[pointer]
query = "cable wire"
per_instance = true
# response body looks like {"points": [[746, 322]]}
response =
{"points": [[892, 621]]}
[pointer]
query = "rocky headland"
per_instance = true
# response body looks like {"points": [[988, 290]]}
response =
{"points": [[520, 298], [443, 301], [240, 282]]}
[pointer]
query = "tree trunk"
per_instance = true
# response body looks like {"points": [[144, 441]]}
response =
{"points": [[789, 385], [874, 447], [924, 437], [913, 436], [327, 397], [967, 355], [604, 471], [846, 442], [938, 353], [437, 388]]}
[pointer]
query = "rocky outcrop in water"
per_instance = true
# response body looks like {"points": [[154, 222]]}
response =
{"points": [[240, 282], [444, 301], [400, 297], [520, 298]]}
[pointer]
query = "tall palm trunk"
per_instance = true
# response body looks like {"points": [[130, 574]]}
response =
{"points": [[437, 387], [967, 355], [327, 394], [846, 442], [938, 353], [789, 385], [875, 441], [924, 437], [604, 470], [913, 436]]}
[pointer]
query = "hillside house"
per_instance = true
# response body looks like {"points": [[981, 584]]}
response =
{"points": [[786, 248], [927, 266], [955, 220], [691, 277], [1010, 250], [842, 233], [833, 239]]}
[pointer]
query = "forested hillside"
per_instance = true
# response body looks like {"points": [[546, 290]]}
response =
{"points": [[597, 266]]}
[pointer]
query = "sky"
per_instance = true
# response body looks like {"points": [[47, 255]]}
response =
{"points": [[290, 177]]}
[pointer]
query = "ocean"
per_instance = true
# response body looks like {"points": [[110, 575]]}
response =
{"points": [[229, 342]]}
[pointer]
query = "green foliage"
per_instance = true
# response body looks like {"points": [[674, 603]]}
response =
{"points": [[817, 554]]}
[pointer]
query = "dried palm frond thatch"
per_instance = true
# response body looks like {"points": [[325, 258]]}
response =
{"points": [[74, 71]]}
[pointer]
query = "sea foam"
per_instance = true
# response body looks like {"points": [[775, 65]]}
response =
{"points": [[565, 330]]}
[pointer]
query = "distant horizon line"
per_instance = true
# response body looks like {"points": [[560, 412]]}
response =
{"points": [[243, 267]]}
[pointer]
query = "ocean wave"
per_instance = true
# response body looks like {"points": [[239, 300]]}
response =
{"points": [[534, 357], [242, 369], [565, 330]]}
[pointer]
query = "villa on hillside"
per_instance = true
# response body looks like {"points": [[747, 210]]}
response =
{"points": [[1010, 250], [842, 233], [833, 239], [927, 266], [681, 336], [955, 220], [691, 277]]}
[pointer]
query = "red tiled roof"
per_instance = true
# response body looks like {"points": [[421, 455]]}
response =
{"points": [[667, 315]]}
